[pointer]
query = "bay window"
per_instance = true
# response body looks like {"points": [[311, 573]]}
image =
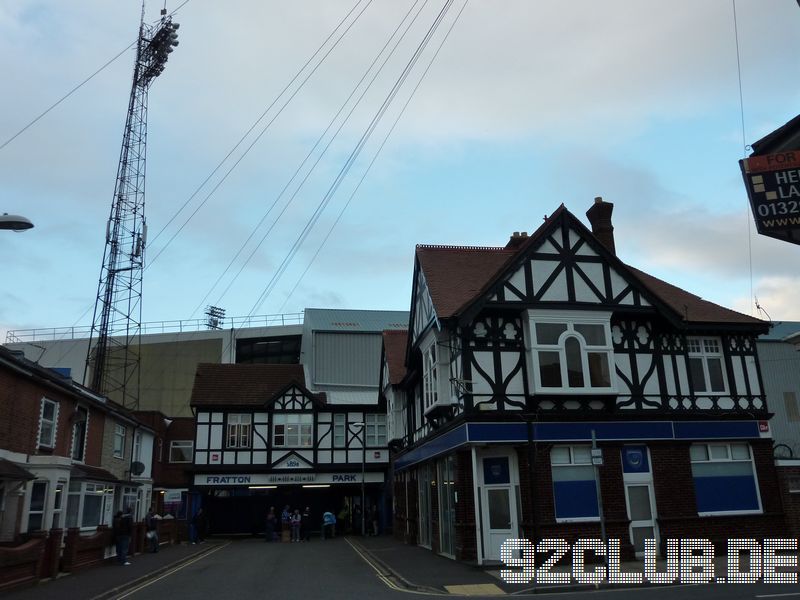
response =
{"points": [[571, 351]]}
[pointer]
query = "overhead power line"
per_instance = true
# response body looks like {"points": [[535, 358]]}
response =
{"points": [[351, 159], [375, 157], [311, 153], [76, 88]]}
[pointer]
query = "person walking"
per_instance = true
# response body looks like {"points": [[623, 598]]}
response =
{"points": [[151, 529], [373, 519], [305, 527], [272, 522], [286, 524], [328, 525], [296, 521], [121, 531], [200, 526]]}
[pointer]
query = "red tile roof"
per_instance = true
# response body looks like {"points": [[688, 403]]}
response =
{"points": [[239, 385], [459, 275], [394, 345], [456, 274]]}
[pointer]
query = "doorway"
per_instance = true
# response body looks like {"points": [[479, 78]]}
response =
{"points": [[498, 480], [637, 477]]}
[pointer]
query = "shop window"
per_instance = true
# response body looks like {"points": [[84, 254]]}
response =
{"points": [[705, 365], [119, 440], [48, 420], [376, 430], [239, 427], [38, 502], [292, 430], [181, 451], [574, 487], [571, 352], [724, 479]]}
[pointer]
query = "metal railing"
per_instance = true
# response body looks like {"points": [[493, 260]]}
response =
{"points": [[176, 326]]}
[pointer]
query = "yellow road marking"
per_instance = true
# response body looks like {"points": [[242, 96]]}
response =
{"points": [[172, 571], [476, 589]]}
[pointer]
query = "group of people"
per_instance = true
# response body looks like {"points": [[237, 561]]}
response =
{"points": [[296, 523], [122, 529]]}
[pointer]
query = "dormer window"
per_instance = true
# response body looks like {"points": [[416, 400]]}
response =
{"points": [[571, 352]]}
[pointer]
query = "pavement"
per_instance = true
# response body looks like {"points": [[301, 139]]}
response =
{"points": [[110, 579]]}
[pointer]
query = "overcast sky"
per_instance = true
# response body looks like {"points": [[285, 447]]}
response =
{"points": [[529, 104]]}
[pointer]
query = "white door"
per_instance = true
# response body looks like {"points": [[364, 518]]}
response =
{"points": [[498, 480], [637, 476]]}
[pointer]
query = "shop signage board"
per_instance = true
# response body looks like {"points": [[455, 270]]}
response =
{"points": [[248, 479], [773, 186]]}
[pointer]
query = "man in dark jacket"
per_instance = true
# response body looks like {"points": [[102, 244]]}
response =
{"points": [[121, 530], [151, 528]]}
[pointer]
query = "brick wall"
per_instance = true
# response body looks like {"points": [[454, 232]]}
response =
{"points": [[117, 466]]}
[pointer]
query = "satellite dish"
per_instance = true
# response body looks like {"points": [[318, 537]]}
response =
{"points": [[137, 468]]}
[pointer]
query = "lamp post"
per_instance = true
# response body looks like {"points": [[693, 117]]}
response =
{"points": [[14, 222], [361, 427]]}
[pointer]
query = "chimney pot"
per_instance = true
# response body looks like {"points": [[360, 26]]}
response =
{"points": [[599, 215]]}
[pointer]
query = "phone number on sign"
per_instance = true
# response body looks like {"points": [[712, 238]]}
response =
{"points": [[687, 561]]}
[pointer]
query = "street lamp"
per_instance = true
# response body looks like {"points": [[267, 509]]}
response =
{"points": [[361, 427], [14, 222]]}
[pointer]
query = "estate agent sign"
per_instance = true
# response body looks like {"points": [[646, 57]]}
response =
{"points": [[773, 186]]}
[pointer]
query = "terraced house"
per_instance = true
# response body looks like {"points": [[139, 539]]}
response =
{"points": [[518, 357]]}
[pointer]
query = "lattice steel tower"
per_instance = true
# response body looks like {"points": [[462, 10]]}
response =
{"points": [[113, 362]]}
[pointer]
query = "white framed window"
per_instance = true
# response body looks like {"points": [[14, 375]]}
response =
{"points": [[48, 421], [180, 451], [706, 365], [376, 429], [339, 431], [430, 378], [80, 424], [292, 430], [571, 351], [137, 447], [239, 428], [58, 504], [574, 486], [86, 503], [37, 505], [725, 480], [119, 440]]}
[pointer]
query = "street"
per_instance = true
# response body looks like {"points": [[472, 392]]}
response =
{"points": [[333, 570]]}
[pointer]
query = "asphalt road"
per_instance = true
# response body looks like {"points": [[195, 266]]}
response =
{"points": [[333, 570]]}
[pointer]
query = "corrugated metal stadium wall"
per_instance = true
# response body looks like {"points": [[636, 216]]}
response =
{"points": [[347, 358], [780, 369]]}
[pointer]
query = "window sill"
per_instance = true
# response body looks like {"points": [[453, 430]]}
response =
{"points": [[579, 520], [730, 513], [576, 391]]}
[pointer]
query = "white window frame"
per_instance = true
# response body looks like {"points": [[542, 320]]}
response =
{"points": [[374, 422], [730, 459], [430, 375], [704, 354], [571, 319], [40, 512], [45, 423], [120, 432], [239, 428], [301, 437], [136, 456], [339, 430], [75, 425], [573, 462], [59, 504], [186, 444]]}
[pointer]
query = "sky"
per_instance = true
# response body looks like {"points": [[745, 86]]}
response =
{"points": [[522, 106]]}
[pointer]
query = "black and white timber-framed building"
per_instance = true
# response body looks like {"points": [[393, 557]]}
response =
{"points": [[517, 356]]}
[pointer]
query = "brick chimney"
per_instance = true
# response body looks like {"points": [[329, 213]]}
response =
{"points": [[516, 239], [599, 216]]}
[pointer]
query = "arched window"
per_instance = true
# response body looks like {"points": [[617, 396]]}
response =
{"points": [[571, 353]]}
